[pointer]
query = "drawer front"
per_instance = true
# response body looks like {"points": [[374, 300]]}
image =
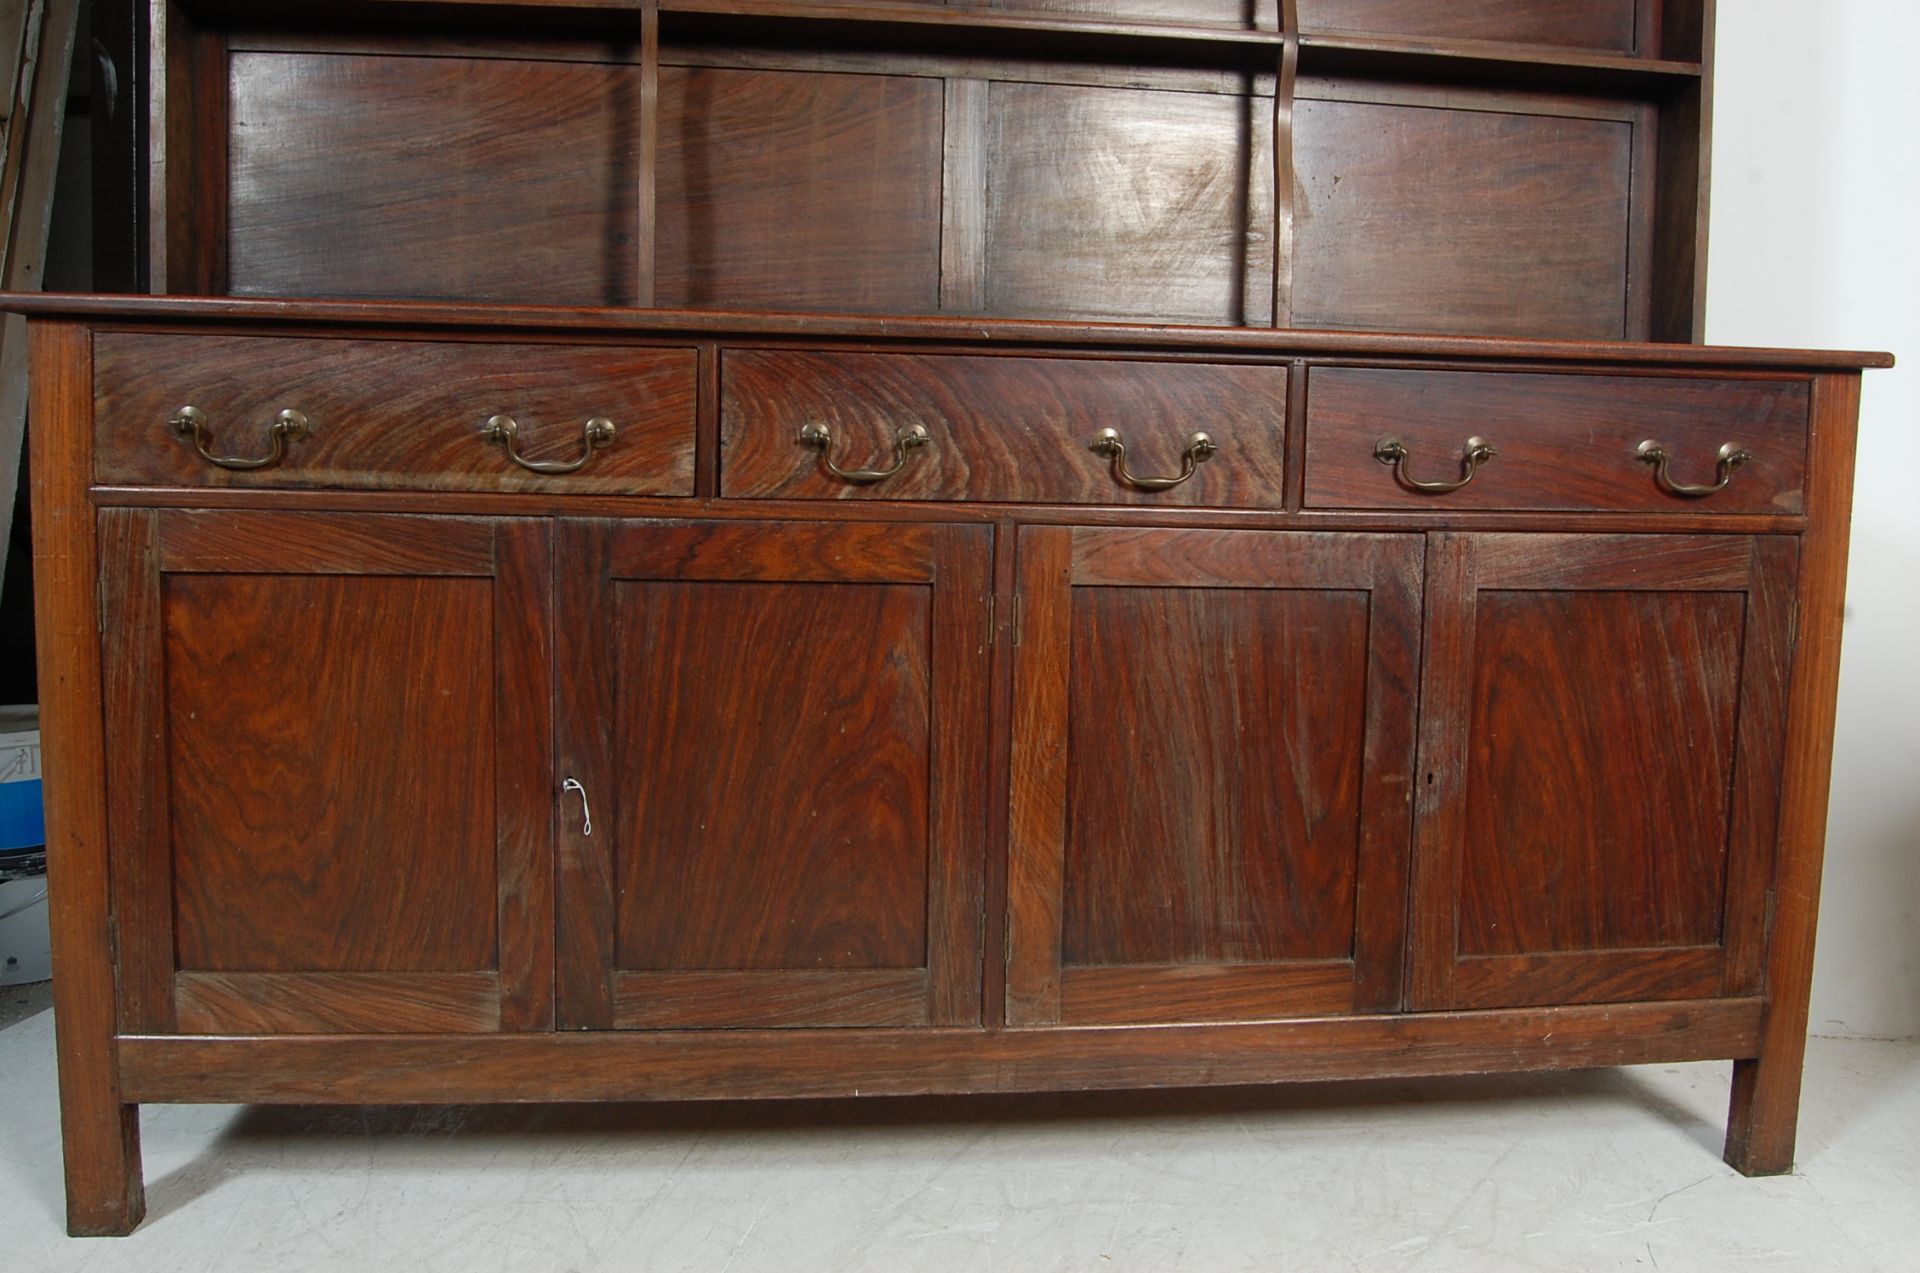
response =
{"points": [[999, 429], [1561, 442], [392, 415]]}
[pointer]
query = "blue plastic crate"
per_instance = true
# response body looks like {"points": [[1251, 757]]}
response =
{"points": [[23, 818]]}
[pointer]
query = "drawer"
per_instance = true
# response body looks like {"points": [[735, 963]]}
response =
{"points": [[1561, 442], [998, 429], [392, 415]]}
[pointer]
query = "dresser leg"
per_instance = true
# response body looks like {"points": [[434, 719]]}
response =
{"points": [[1765, 1114], [105, 1195]]}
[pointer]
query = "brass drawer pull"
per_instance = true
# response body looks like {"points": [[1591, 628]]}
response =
{"points": [[191, 423], [505, 429], [1200, 448], [1731, 456], [820, 438], [1393, 453]]}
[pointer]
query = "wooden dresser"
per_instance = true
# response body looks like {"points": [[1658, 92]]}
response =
{"points": [[823, 550]]}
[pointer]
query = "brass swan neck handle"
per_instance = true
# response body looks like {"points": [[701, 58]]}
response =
{"points": [[1731, 456], [1393, 453], [599, 432], [191, 422], [905, 442], [1199, 449]]}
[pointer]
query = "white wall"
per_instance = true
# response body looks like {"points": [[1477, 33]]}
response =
{"points": [[1815, 241]]}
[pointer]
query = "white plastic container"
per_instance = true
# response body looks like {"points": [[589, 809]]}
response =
{"points": [[25, 952]]}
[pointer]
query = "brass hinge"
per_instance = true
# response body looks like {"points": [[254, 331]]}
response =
{"points": [[991, 600]]}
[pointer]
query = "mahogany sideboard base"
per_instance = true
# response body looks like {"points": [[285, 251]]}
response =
{"points": [[708, 762]]}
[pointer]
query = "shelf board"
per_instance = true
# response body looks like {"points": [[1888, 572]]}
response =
{"points": [[1013, 33], [970, 31], [1488, 61]]}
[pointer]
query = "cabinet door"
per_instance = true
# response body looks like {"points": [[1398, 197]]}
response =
{"points": [[1212, 750], [1599, 766], [778, 731], [328, 811]]}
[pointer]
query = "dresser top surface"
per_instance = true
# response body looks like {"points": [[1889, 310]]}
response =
{"points": [[376, 317]]}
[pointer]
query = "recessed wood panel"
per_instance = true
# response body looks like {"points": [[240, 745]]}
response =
{"points": [[1111, 203], [1598, 786], [999, 429], [1413, 217], [331, 762], [1601, 741], [773, 805], [1214, 791], [799, 190], [1580, 24], [1211, 747], [434, 177], [1562, 441], [779, 728], [396, 415]]}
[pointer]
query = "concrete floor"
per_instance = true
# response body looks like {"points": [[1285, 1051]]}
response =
{"points": [[1602, 1170], [19, 1002]]}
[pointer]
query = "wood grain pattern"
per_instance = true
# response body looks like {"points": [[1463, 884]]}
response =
{"points": [[1003, 429], [1507, 223], [963, 197], [584, 896], [400, 415], [1127, 204], [1564, 441], [1578, 700], [1262, 823], [799, 191], [1563, 672], [197, 541], [426, 177], [647, 177], [772, 811], [336, 1003], [322, 818], [795, 799], [99, 1126], [1587, 976], [779, 552], [1763, 1116], [1146, 993], [786, 997], [524, 809], [323, 787], [1580, 24], [1221, 832], [743, 1064], [1037, 800], [132, 648]]}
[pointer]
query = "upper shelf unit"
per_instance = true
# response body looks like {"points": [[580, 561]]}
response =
{"points": [[1513, 168]]}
